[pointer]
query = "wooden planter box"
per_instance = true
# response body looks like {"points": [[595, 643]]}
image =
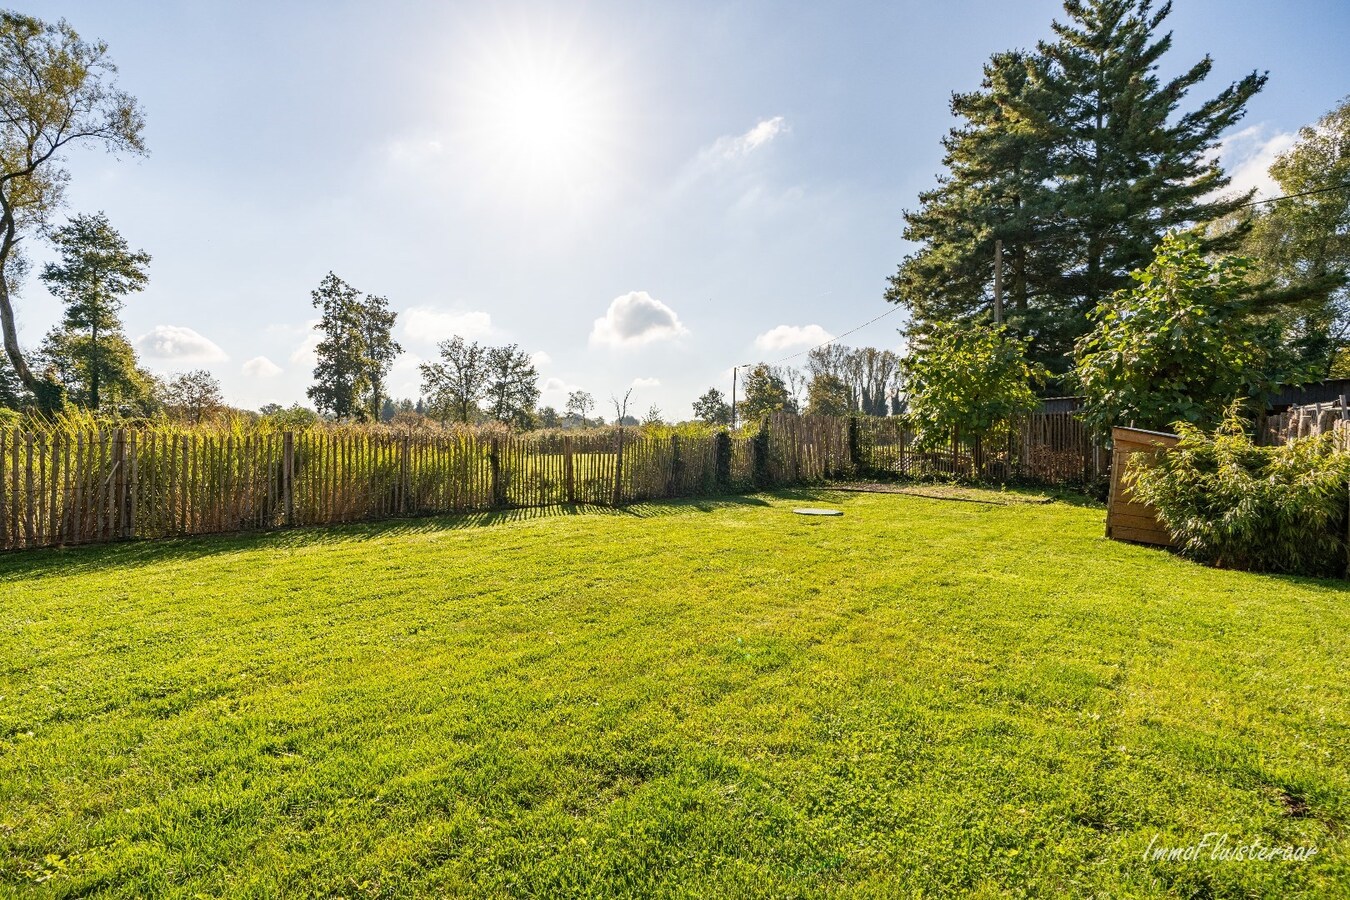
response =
{"points": [[1126, 518]]}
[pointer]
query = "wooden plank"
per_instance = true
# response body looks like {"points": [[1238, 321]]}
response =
{"points": [[1156, 537]]}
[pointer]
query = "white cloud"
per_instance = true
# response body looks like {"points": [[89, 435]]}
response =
{"points": [[788, 337], [554, 384], [429, 325], [540, 359], [634, 319], [405, 376], [646, 382], [414, 152], [261, 367], [1248, 154], [180, 344], [304, 354], [737, 146]]}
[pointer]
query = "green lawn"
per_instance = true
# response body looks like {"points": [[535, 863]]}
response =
{"points": [[715, 699]]}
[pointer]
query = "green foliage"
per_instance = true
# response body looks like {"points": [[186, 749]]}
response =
{"points": [[968, 379], [193, 396], [511, 386], [379, 349], [828, 395], [454, 384], [1236, 505], [765, 392], [1303, 244], [75, 363], [1079, 157], [355, 352], [1187, 341], [712, 408], [863, 380], [579, 405], [57, 90], [96, 269], [289, 418]]}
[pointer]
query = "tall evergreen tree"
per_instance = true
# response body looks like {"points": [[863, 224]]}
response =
{"points": [[1078, 158], [97, 269]]}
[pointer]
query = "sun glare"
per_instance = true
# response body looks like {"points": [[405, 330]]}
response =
{"points": [[540, 119]]}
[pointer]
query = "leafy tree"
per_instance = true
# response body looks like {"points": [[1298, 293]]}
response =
{"points": [[379, 347], [765, 392], [13, 395], [95, 271], [56, 91], [873, 374], [456, 384], [193, 396], [356, 352], [340, 373], [712, 408], [653, 416], [512, 386], [580, 404], [828, 395], [1303, 244], [549, 418], [1191, 338], [870, 377], [968, 380], [67, 358], [1079, 158], [291, 417], [388, 409]]}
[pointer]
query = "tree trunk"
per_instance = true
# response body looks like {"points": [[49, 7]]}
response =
{"points": [[93, 367], [11, 334]]}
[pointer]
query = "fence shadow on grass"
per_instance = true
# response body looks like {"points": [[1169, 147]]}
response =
{"points": [[89, 558]]}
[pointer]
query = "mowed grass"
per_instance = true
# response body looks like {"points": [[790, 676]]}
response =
{"points": [[718, 699]]}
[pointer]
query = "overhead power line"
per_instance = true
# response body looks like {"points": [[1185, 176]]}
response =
{"points": [[894, 309]]}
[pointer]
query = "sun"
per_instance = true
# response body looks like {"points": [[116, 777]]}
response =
{"points": [[540, 118]]}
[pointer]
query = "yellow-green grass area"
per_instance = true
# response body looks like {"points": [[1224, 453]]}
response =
{"points": [[693, 699]]}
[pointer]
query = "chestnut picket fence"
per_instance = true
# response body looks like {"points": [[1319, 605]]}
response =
{"points": [[63, 487]]}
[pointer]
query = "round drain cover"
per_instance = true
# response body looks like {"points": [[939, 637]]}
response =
{"points": [[818, 512]]}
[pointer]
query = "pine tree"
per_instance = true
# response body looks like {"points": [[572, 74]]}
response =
{"points": [[97, 269], [1077, 156]]}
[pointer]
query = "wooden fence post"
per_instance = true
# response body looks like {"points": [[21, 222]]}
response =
{"points": [[618, 472], [117, 514], [403, 480], [495, 464], [569, 474], [676, 467], [288, 476], [133, 492]]}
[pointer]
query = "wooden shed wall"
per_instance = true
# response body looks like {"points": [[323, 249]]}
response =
{"points": [[1126, 518]]}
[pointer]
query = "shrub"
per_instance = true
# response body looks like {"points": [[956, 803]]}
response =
{"points": [[1230, 503]]}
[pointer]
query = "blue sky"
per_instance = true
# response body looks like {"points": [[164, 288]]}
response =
{"points": [[641, 193]]}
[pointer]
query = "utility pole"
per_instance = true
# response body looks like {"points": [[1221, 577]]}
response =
{"points": [[998, 281], [733, 397]]}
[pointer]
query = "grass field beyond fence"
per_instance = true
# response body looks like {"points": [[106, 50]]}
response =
{"points": [[708, 698]]}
